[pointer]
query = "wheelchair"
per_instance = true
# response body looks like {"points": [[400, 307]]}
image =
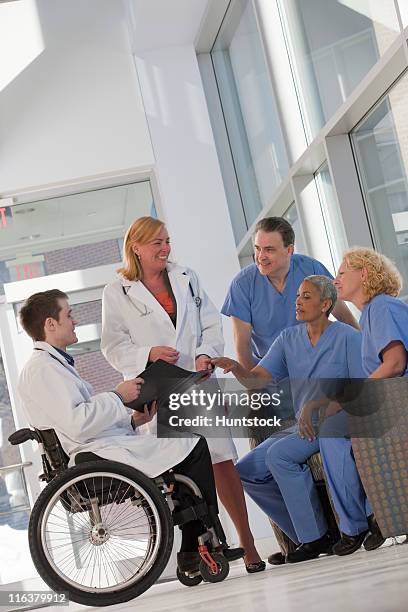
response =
{"points": [[103, 532]]}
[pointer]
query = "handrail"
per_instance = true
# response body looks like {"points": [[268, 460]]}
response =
{"points": [[11, 468]]}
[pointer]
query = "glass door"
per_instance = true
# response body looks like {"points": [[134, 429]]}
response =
{"points": [[73, 243]]}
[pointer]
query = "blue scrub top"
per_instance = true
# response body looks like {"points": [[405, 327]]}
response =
{"points": [[337, 354], [383, 320], [253, 299]]}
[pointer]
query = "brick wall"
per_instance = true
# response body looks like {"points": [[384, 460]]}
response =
{"points": [[88, 312], [95, 369], [83, 256], [91, 366]]}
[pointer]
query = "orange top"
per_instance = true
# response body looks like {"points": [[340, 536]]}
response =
{"points": [[165, 300]]}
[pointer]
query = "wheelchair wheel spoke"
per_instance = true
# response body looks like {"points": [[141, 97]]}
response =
{"points": [[114, 502], [68, 542], [78, 506], [122, 516], [121, 547], [103, 565], [60, 515], [127, 508], [114, 564]]}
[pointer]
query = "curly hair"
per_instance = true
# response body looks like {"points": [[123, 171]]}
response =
{"points": [[382, 274]]}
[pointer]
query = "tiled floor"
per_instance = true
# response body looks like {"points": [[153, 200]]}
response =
{"points": [[363, 582]]}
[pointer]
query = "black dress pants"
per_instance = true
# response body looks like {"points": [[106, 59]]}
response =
{"points": [[197, 466]]}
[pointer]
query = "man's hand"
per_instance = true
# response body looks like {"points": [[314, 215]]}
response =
{"points": [[129, 390], [227, 364], [141, 418], [166, 353], [306, 429]]}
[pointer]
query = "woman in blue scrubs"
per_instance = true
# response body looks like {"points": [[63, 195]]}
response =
{"points": [[372, 283], [275, 473]]}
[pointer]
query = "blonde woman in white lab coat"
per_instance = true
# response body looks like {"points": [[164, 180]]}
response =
{"points": [[158, 310]]}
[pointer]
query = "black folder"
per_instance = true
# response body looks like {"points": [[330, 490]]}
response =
{"points": [[161, 379]]}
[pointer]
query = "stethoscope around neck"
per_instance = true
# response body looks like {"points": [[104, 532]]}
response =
{"points": [[144, 313]]}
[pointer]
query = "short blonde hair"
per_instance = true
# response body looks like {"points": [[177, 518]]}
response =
{"points": [[382, 274], [142, 231]]}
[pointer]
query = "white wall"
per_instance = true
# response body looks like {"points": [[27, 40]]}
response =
{"points": [[192, 191], [193, 197], [75, 110]]}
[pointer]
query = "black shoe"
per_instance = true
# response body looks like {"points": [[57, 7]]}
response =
{"points": [[375, 538], [347, 545], [188, 561], [277, 559], [253, 568], [311, 550]]}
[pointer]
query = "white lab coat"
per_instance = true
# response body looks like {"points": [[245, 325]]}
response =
{"points": [[55, 396], [133, 322]]}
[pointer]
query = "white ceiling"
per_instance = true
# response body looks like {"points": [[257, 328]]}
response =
{"points": [[165, 23]]}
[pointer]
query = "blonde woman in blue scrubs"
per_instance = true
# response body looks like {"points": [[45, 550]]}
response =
{"points": [[372, 283]]}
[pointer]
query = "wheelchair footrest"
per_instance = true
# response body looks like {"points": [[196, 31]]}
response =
{"points": [[193, 513]]}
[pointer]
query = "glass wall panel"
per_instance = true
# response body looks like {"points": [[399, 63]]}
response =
{"points": [[292, 216], [332, 45], [15, 561], [53, 236], [403, 9], [380, 142], [250, 110], [333, 221], [72, 232]]}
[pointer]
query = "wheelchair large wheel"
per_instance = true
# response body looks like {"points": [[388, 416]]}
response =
{"points": [[102, 531]]}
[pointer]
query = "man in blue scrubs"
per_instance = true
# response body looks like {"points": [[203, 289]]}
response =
{"points": [[261, 298]]}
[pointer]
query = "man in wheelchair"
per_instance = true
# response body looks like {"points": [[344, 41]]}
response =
{"points": [[100, 427]]}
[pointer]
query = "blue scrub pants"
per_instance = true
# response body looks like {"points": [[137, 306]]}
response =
{"points": [[275, 475], [349, 498]]}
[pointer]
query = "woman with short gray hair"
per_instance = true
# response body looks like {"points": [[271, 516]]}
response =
{"points": [[326, 289]]}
